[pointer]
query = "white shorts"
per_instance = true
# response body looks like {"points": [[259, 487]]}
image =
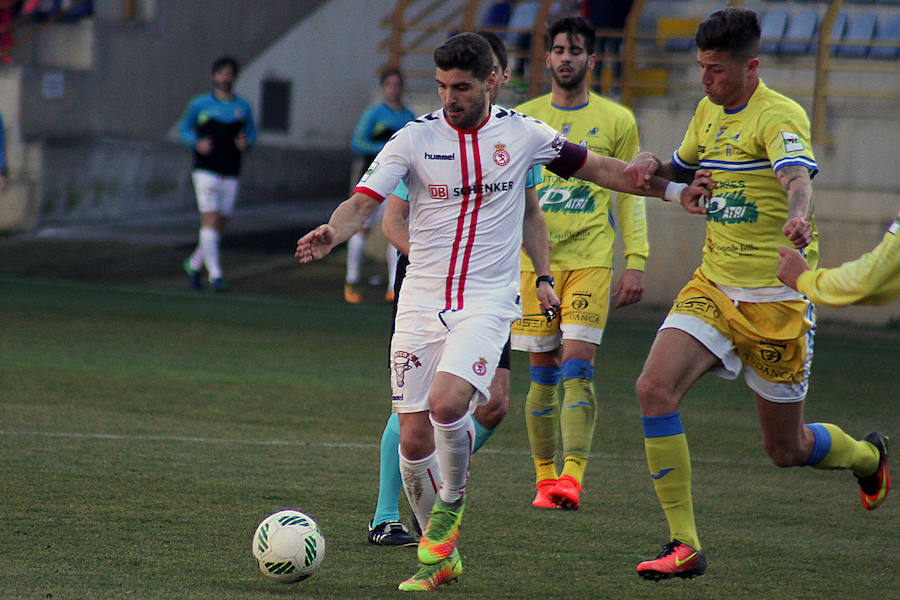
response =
{"points": [[461, 343], [215, 193]]}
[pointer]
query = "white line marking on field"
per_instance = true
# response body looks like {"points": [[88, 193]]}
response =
{"points": [[357, 445]]}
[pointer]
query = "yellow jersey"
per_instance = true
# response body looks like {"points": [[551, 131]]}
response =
{"points": [[580, 220], [744, 148]]}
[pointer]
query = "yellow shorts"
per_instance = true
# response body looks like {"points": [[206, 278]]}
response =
{"points": [[583, 310], [773, 339]]}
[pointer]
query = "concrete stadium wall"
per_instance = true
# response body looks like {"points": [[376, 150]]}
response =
{"points": [[109, 179]]}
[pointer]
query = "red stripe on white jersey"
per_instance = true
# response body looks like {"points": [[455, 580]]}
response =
{"points": [[460, 222], [473, 221]]}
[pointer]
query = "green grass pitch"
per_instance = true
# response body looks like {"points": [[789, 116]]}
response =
{"points": [[144, 434]]}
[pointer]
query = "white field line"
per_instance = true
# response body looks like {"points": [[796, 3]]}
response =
{"points": [[297, 443]]}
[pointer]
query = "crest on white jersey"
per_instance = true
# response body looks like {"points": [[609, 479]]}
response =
{"points": [[501, 156]]}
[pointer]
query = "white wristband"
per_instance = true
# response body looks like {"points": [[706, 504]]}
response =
{"points": [[673, 191]]}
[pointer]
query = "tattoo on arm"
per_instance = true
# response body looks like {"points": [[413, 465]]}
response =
{"points": [[798, 188]]}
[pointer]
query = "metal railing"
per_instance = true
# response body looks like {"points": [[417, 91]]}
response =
{"points": [[415, 28]]}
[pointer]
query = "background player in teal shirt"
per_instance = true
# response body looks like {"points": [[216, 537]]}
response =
{"points": [[375, 127], [219, 127]]}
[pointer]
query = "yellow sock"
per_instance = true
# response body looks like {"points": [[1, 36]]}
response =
{"points": [[577, 417], [670, 469], [835, 449], [575, 466], [545, 469], [542, 420]]}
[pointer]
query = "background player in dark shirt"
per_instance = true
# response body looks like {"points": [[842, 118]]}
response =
{"points": [[219, 127]]}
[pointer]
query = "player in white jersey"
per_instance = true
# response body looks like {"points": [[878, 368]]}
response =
{"points": [[465, 168], [385, 528]]}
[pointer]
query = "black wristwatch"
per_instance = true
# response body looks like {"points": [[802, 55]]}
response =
{"points": [[547, 278]]}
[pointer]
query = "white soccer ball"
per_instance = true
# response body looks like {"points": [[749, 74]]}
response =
{"points": [[288, 546]]}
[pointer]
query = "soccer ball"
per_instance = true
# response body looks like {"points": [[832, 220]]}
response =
{"points": [[288, 546]]}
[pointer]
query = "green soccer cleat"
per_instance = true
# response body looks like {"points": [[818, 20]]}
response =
{"points": [[439, 540], [193, 275], [874, 488], [428, 577]]}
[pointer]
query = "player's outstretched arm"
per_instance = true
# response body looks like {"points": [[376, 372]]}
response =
{"points": [[537, 246], [790, 266], [394, 223], [347, 219], [611, 173], [645, 165]]}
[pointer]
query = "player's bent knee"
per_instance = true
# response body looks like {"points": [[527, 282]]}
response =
{"points": [[654, 397]]}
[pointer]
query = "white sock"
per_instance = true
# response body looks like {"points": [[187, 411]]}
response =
{"points": [[355, 246], [196, 259], [420, 481], [209, 243], [454, 447], [392, 266]]}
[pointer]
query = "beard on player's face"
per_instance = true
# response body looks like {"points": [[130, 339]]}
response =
{"points": [[468, 110], [573, 79]]}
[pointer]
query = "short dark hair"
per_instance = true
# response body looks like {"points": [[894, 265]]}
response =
{"points": [[497, 47], [467, 52], [226, 61], [732, 30], [390, 72], [572, 26]]}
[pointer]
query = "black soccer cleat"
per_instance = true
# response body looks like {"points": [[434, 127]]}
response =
{"points": [[391, 533]]}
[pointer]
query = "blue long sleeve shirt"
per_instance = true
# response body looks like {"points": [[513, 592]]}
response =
{"points": [[376, 126], [207, 116]]}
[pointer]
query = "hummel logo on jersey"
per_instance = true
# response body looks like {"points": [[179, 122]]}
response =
{"points": [[662, 473], [429, 156]]}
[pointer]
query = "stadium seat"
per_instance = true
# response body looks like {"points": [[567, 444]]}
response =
{"points": [[888, 31], [801, 33], [496, 15], [677, 32], [522, 17], [860, 29], [772, 30], [838, 31]]}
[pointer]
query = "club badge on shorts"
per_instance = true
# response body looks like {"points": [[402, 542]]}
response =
{"points": [[403, 361], [480, 367]]}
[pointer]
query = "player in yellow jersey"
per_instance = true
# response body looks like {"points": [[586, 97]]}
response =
{"points": [[582, 227], [751, 147], [873, 278]]}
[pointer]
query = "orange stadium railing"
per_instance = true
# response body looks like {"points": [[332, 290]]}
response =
{"points": [[414, 27]]}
